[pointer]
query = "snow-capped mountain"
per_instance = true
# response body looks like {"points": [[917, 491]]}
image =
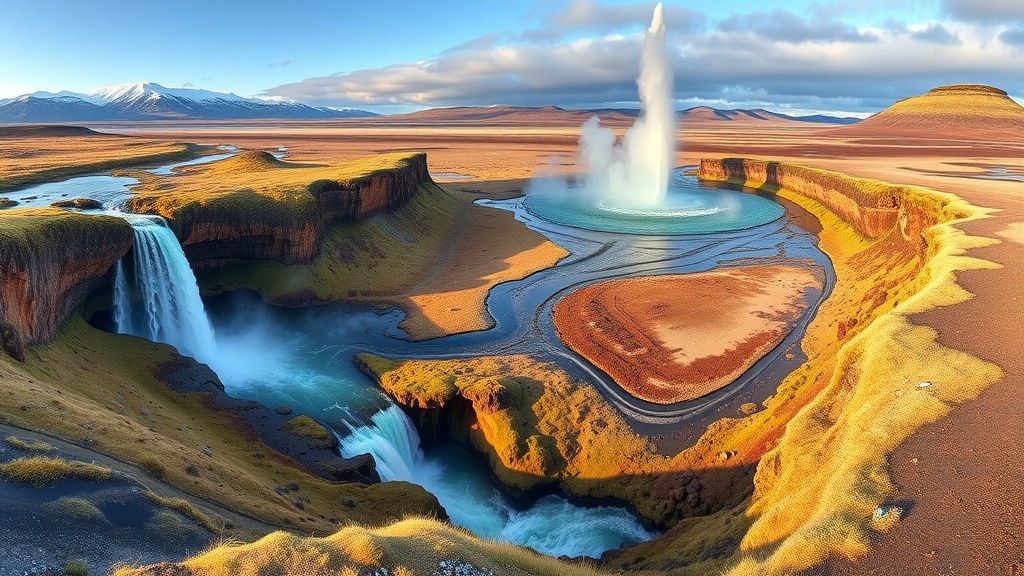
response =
{"points": [[149, 101]]}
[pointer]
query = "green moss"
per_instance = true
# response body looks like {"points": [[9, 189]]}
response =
{"points": [[76, 568], [307, 428]]}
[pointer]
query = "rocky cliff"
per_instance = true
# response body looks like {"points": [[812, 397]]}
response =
{"points": [[253, 207], [870, 207], [50, 260]]}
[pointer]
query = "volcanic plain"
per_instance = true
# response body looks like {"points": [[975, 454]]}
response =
{"points": [[886, 448]]}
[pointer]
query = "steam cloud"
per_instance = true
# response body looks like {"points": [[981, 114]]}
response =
{"points": [[634, 172]]}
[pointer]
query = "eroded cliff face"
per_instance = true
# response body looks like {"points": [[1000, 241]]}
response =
{"points": [[50, 261], [289, 229], [871, 207]]}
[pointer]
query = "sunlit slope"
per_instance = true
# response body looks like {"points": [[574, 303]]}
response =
{"points": [[955, 112]]}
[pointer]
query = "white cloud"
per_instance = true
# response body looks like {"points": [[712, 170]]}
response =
{"points": [[781, 61]]}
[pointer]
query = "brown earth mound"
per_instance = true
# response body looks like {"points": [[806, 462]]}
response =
{"points": [[673, 338], [956, 112]]}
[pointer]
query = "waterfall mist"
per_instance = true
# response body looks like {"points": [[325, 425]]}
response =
{"points": [[633, 172]]}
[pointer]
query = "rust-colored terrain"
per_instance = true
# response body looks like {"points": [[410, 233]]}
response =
{"points": [[667, 339]]}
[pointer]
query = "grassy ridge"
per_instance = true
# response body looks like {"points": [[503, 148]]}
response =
{"points": [[41, 158]]}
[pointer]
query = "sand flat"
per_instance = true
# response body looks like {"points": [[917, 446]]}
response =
{"points": [[673, 338]]}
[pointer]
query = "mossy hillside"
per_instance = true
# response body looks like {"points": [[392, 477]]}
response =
{"points": [[256, 172], [411, 546], [362, 261], [98, 390], [53, 153], [254, 207]]}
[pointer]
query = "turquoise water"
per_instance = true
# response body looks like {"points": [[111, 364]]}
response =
{"points": [[552, 525], [688, 208]]}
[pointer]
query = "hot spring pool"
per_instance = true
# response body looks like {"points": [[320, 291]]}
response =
{"points": [[688, 208]]}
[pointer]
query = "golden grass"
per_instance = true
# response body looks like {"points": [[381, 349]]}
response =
{"points": [[411, 546], [41, 470], [41, 159], [817, 490], [188, 510], [256, 172], [28, 445]]}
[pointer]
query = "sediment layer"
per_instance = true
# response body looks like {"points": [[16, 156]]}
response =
{"points": [[668, 339]]}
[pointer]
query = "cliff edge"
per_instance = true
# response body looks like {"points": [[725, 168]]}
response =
{"points": [[254, 207], [50, 260]]}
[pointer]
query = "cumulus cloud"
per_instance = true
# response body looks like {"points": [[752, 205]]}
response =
{"points": [[783, 26], [785, 64], [985, 11], [936, 34], [1013, 37], [588, 15]]}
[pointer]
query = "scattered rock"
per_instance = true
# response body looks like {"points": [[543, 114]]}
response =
{"points": [[7, 202], [925, 384], [748, 408], [283, 410], [293, 486], [726, 454], [81, 203], [11, 341]]}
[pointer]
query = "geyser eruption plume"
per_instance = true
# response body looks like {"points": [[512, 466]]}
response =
{"points": [[635, 172]]}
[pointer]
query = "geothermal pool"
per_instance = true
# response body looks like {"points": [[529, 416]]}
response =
{"points": [[687, 208]]}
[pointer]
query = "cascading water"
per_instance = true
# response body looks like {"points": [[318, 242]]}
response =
{"points": [[553, 525], [171, 309]]}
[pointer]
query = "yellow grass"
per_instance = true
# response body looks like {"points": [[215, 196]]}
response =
{"points": [[41, 470], [411, 546], [77, 508], [27, 445], [40, 158]]}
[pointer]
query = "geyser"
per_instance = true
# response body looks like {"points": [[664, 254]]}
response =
{"points": [[627, 186], [634, 172]]}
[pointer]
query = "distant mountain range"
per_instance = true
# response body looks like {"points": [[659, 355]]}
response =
{"points": [[149, 101], [705, 113]]}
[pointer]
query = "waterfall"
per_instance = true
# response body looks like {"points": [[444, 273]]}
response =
{"points": [[392, 441], [172, 311], [552, 526]]}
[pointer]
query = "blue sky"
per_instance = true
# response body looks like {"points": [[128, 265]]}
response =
{"points": [[849, 56]]}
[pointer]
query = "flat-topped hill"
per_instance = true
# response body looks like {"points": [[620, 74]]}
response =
{"points": [[956, 111]]}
